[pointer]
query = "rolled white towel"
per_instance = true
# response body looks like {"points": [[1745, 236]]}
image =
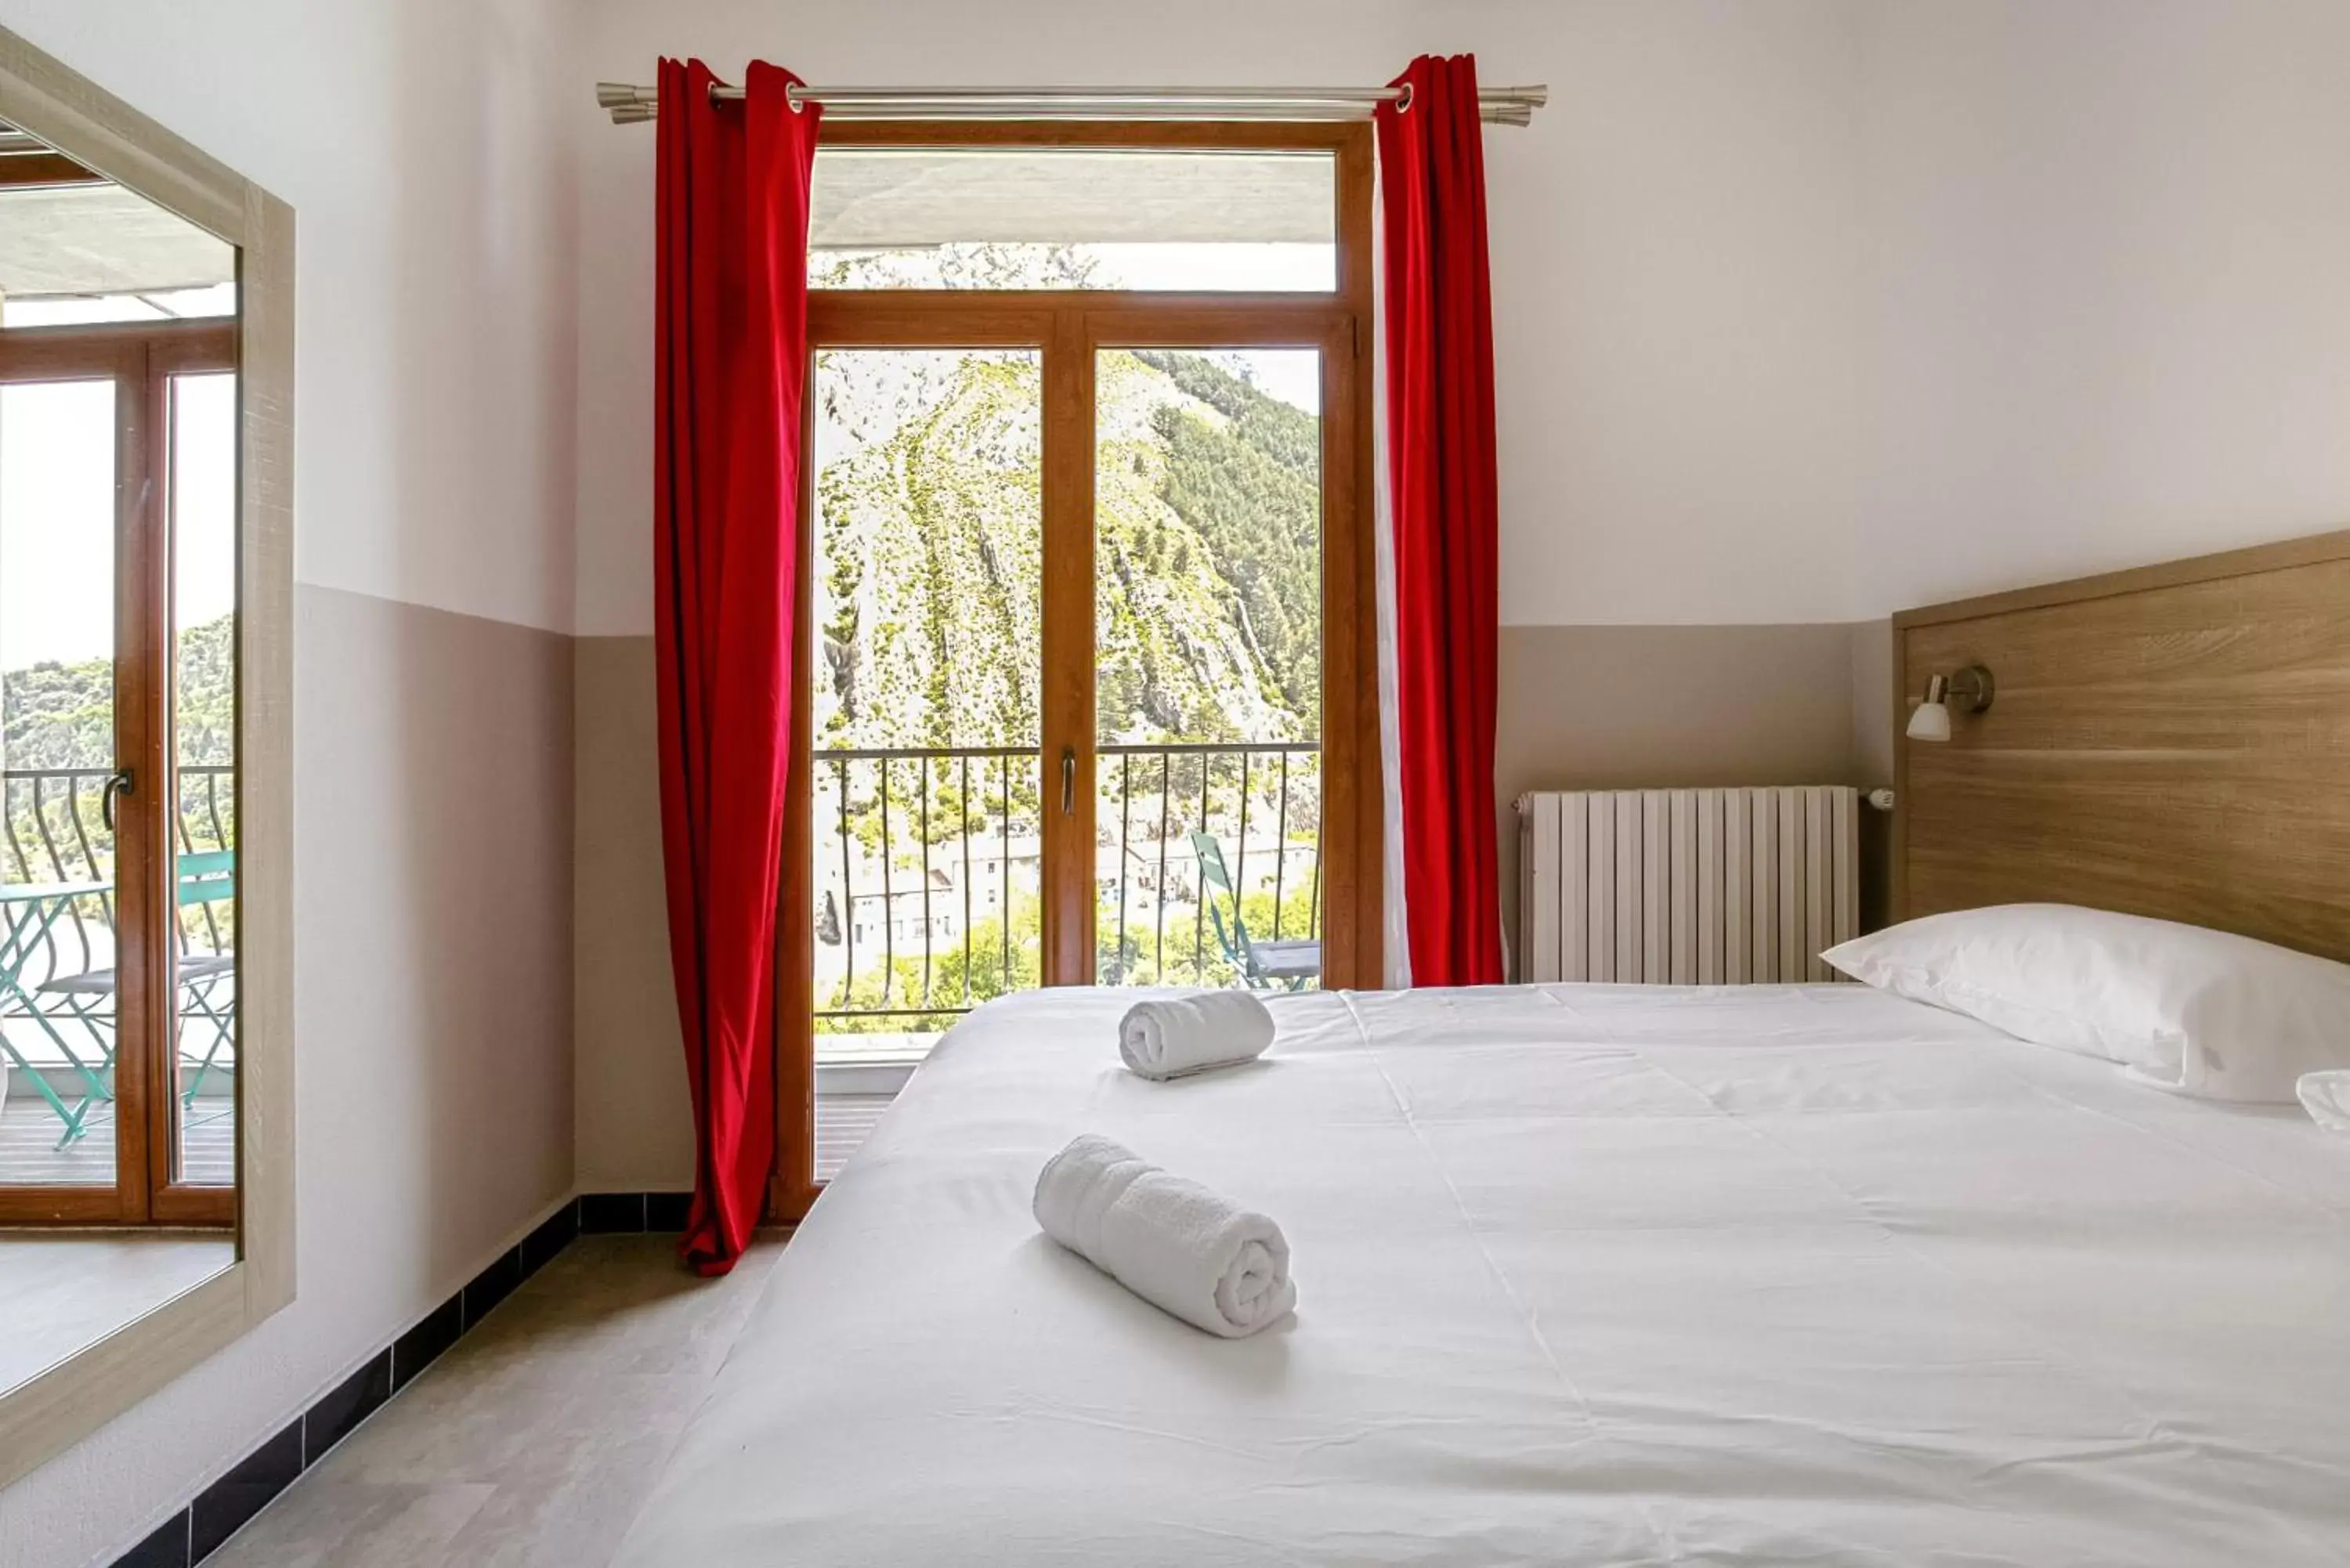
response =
{"points": [[1171, 1242], [1167, 1037]]}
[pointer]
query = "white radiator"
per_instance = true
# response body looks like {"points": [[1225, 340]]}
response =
{"points": [[1687, 887]]}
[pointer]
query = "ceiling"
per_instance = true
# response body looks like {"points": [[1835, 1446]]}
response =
{"points": [[95, 237]]}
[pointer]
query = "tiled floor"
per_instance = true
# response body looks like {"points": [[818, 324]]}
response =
{"points": [[531, 1443]]}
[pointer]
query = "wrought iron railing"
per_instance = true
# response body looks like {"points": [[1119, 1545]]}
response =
{"points": [[928, 869], [53, 829], [1203, 762], [865, 846]]}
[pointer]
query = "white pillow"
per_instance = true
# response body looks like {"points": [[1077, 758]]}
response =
{"points": [[2200, 1011]]}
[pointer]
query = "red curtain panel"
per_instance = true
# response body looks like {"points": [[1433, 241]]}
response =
{"points": [[732, 351], [1439, 368]]}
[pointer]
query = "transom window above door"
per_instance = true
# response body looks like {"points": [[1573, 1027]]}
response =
{"points": [[1196, 219]]}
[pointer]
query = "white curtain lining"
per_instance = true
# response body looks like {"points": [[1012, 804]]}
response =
{"points": [[1394, 945]]}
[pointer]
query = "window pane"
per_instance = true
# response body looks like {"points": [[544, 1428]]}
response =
{"points": [[56, 750], [204, 732], [1208, 638], [927, 603], [1065, 218]]}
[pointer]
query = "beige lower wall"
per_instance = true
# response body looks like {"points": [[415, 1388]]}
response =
{"points": [[1873, 705], [433, 1047], [1630, 707], [434, 865], [633, 1117], [1873, 710], [1580, 706]]}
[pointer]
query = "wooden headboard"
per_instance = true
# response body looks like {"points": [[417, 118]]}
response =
{"points": [[2172, 741]]}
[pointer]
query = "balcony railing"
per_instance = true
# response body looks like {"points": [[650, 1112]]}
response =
{"points": [[57, 1009], [928, 879], [53, 829], [884, 832], [1282, 771]]}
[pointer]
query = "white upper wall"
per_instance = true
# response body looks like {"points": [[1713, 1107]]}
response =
{"points": [[2108, 318], [1804, 310], [1673, 261], [425, 146], [1675, 254]]}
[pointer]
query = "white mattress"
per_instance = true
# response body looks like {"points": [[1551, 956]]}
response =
{"points": [[1590, 1275]]}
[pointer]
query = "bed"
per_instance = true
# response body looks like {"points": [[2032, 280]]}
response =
{"points": [[1630, 1275], [1587, 1274]]}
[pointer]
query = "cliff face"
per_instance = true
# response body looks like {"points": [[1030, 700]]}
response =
{"points": [[1207, 545], [929, 555]]}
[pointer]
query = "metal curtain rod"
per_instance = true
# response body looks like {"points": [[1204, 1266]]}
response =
{"points": [[1502, 106]]}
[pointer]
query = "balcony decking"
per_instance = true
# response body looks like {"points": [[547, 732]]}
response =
{"points": [[29, 1156], [843, 1123], [856, 1077]]}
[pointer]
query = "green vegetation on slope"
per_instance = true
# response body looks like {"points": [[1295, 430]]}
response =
{"points": [[1249, 486], [55, 715]]}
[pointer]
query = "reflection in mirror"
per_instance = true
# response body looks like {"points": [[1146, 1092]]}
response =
{"points": [[118, 413]]}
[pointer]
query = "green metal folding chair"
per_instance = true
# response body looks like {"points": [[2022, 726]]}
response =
{"points": [[28, 914], [204, 877], [1262, 965], [209, 877]]}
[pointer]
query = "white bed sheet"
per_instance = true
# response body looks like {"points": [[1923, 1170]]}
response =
{"points": [[1591, 1276]]}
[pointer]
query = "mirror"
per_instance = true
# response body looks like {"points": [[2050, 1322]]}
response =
{"points": [[119, 1016]]}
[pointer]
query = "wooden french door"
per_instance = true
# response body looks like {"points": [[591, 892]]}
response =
{"points": [[95, 862], [1346, 748], [1057, 764]]}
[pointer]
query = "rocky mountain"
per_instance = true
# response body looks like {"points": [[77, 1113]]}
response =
{"points": [[1208, 513]]}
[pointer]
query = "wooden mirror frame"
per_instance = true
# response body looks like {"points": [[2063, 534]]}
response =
{"points": [[48, 1413]]}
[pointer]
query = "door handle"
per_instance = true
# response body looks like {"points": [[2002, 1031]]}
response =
{"points": [[1068, 780], [124, 781]]}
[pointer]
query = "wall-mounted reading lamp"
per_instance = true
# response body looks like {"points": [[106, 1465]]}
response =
{"points": [[1970, 689]]}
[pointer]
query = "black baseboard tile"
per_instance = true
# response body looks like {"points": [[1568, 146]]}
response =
{"points": [[166, 1548], [611, 1213], [244, 1491], [633, 1213], [558, 1231], [665, 1211], [344, 1407], [417, 1349], [493, 1284]]}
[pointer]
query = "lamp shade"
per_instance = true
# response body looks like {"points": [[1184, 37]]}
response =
{"points": [[1930, 721]]}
